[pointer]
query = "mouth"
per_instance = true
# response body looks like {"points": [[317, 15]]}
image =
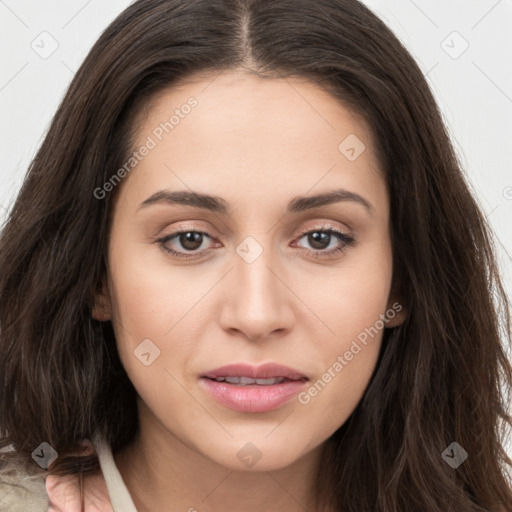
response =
{"points": [[245, 374], [247, 381], [248, 388]]}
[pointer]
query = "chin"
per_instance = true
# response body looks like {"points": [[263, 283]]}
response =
{"points": [[256, 456]]}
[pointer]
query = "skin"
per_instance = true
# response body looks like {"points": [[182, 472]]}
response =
{"points": [[257, 144], [64, 491]]}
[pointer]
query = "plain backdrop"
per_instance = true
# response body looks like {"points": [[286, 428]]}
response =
{"points": [[464, 48]]}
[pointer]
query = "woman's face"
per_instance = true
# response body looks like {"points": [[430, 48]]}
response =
{"points": [[262, 274]]}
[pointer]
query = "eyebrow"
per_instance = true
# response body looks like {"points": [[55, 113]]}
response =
{"points": [[217, 204]]}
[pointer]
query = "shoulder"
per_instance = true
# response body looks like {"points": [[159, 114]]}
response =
{"points": [[22, 491]]}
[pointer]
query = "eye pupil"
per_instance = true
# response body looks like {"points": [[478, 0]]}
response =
{"points": [[316, 237], [191, 237]]}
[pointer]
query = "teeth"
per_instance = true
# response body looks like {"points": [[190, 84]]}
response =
{"points": [[244, 381], [268, 382], [234, 380]]}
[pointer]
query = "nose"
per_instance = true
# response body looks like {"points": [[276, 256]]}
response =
{"points": [[256, 299]]}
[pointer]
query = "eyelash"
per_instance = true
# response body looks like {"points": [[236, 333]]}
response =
{"points": [[347, 241]]}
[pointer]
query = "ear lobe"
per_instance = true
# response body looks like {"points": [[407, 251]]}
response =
{"points": [[396, 313], [101, 308]]}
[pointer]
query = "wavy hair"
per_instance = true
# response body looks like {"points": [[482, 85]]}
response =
{"points": [[442, 376]]}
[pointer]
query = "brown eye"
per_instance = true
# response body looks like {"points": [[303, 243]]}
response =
{"points": [[191, 240], [179, 243], [320, 239]]}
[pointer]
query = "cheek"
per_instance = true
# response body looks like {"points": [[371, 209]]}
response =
{"points": [[157, 321], [151, 300], [354, 295], [141, 312], [348, 350], [347, 365]]}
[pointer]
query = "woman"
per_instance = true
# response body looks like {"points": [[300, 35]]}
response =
{"points": [[245, 267]]}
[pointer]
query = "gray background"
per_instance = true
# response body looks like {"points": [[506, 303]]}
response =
{"points": [[464, 47]]}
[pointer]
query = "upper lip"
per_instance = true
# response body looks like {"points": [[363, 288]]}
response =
{"points": [[264, 371]]}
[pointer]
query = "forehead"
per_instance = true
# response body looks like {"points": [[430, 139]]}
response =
{"points": [[251, 133], [238, 100]]}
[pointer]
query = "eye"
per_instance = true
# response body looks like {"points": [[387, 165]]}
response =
{"points": [[321, 238], [190, 240]]}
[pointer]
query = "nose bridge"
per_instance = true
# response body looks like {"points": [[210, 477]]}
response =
{"points": [[252, 270], [257, 300]]}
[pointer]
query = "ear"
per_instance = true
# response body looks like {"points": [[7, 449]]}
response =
{"points": [[101, 309], [396, 310], [396, 313]]}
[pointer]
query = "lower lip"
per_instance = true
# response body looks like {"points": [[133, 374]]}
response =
{"points": [[253, 398]]}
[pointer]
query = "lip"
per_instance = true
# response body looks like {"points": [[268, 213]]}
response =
{"points": [[253, 397]]}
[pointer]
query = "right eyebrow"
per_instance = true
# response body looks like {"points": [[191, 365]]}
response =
{"points": [[213, 203]]}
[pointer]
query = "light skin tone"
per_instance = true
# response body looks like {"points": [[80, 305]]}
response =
{"points": [[258, 144]]}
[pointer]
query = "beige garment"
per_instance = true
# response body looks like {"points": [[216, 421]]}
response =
{"points": [[21, 491]]}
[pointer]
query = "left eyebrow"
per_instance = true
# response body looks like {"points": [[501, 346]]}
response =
{"points": [[301, 203], [219, 205]]}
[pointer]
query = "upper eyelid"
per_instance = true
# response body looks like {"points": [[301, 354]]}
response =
{"points": [[321, 226], [310, 223]]}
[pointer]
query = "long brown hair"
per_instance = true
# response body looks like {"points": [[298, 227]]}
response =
{"points": [[440, 376]]}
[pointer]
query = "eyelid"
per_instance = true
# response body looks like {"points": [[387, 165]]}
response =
{"points": [[318, 225], [187, 226], [326, 225], [346, 239]]}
